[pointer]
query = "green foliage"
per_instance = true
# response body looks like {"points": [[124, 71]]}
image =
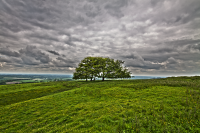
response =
{"points": [[122, 106], [100, 67]]}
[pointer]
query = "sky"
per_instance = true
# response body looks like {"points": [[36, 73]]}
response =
{"points": [[153, 37]]}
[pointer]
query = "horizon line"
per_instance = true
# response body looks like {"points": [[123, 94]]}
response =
{"points": [[72, 74]]}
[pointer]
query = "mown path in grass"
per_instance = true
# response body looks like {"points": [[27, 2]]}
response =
{"points": [[156, 105], [10, 94]]}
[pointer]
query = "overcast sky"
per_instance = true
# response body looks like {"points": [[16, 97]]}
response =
{"points": [[153, 37]]}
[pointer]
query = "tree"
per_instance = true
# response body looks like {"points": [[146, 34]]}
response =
{"points": [[91, 67], [103, 67], [79, 74]]}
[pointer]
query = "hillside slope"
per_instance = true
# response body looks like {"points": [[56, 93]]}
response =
{"points": [[156, 105]]}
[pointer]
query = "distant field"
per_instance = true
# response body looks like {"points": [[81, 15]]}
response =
{"points": [[125, 106], [31, 78], [24, 81]]}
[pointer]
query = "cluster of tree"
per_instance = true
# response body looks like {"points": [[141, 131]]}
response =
{"points": [[92, 67]]}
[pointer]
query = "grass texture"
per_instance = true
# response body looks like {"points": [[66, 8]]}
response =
{"points": [[114, 106]]}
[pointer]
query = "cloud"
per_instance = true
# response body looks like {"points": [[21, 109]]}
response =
{"points": [[171, 60], [4, 60], [62, 64], [152, 37], [136, 60], [29, 60], [164, 50], [66, 60], [53, 52], [32, 51], [194, 47], [8, 52]]}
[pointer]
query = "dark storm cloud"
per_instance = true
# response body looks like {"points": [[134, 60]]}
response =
{"points": [[152, 37], [114, 7], [33, 52], [29, 60], [6, 34], [188, 57], [62, 64], [16, 60], [183, 42], [44, 36], [8, 52], [158, 57], [4, 60], [135, 60], [25, 12], [15, 26], [195, 46], [171, 60], [163, 50], [53, 52], [64, 60]]}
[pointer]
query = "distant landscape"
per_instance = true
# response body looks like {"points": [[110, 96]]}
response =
{"points": [[32, 78], [37, 78]]}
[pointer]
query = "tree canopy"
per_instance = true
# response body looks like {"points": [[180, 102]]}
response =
{"points": [[92, 67]]}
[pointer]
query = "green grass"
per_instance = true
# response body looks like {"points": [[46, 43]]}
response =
{"points": [[125, 106]]}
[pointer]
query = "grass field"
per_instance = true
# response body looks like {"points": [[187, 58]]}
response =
{"points": [[120, 106]]}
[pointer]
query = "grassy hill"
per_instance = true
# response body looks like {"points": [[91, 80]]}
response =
{"points": [[126, 106]]}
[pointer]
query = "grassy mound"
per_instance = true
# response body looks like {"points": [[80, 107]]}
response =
{"points": [[154, 105]]}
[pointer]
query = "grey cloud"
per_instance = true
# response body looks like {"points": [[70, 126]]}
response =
{"points": [[53, 52], [16, 26], [39, 24], [164, 50], [8, 52], [24, 15], [18, 65], [65, 60], [16, 60], [91, 10], [155, 2], [44, 36], [143, 64], [134, 55], [194, 46], [161, 57], [44, 59], [8, 35], [135, 60], [171, 60], [113, 7], [71, 39], [69, 42], [188, 56], [29, 60], [4, 60], [32, 51], [173, 64], [11, 61], [62, 64], [150, 36], [182, 42]]}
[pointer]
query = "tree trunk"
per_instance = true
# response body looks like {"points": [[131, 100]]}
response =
{"points": [[91, 79], [103, 79], [86, 79], [94, 78]]}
